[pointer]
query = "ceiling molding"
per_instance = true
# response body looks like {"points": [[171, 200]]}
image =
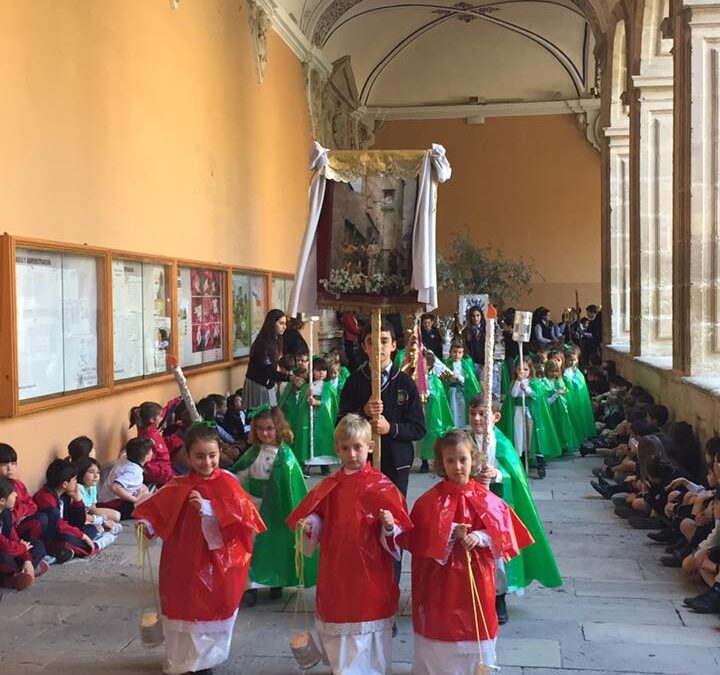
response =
{"points": [[476, 113], [290, 33]]}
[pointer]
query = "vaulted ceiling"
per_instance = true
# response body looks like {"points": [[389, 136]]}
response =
{"points": [[445, 52]]}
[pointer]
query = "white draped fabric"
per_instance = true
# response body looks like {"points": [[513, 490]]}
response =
{"points": [[435, 169]]}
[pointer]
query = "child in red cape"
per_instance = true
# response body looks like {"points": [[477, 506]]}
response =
{"points": [[207, 522], [457, 516], [355, 515]]}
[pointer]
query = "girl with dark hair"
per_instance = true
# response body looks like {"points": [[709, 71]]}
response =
{"points": [[262, 374], [293, 341], [473, 336]]}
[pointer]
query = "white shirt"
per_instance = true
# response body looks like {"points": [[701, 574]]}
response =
{"points": [[125, 473]]}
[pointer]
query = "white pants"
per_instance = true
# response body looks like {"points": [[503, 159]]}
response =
{"points": [[358, 648], [196, 645], [434, 657]]}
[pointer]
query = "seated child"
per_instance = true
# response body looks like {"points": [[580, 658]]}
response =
{"points": [[79, 447], [354, 515], [88, 477], [234, 419], [460, 528], [147, 417], [270, 473], [29, 523], [206, 522], [123, 488], [66, 537], [20, 561]]}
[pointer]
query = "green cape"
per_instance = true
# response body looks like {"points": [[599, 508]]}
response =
{"points": [[297, 411], [561, 416], [579, 404], [505, 378], [342, 379], [536, 562], [544, 438], [438, 418], [273, 557], [471, 386]]}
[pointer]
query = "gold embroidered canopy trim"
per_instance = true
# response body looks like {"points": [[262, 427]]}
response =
{"points": [[348, 165]]}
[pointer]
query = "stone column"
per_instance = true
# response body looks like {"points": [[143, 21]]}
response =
{"points": [[652, 278], [696, 181], [619, 239]]}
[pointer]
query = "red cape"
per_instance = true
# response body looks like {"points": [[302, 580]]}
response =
{"points": [[442, 607], [356, 581], [197, 584]]}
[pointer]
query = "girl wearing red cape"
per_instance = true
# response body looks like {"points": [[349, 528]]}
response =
{"points": [[355, 515], [456, 517], [207, 522]]}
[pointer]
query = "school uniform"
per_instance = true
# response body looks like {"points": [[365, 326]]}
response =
{"points": [[13, 553], [432, 340], [402, 409], [66, 518], [27, 520]]}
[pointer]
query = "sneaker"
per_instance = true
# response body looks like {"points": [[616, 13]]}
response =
{"points": [[666, 536], [49, 560], [19, 581], [104, 541], [116, 529], [705, 603], [42, 568], [671, 560], [65, 555]]}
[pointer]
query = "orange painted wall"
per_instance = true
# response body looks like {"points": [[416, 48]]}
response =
{"points": [[132, 126], [524, 185]]}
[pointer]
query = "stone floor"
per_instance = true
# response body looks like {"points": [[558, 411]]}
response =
{"points": [[619, 611]]}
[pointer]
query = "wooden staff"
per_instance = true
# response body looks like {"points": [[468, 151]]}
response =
{"points": [[376, 371]]}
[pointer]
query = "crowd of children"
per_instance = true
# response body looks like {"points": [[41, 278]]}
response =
{"points": [[657, 479], [230, 486]]}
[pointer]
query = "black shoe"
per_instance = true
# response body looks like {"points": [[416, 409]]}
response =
{"points": [[626, 512], [249, 597], [394, 629], [324, 469], [424, 467], [601, 489], [619, 500], [276, 592], [666, 536], [599, 472], [306, 471], [65, 555], [705, 603], [644, 522], [671, 560], [540, 467], [501, 609]]}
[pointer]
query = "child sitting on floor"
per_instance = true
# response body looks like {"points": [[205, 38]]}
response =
{"points": [[146, 417], [124, 489], [66, 537], [30, 524], [80, 447], [352, 515], [20, 561], [88, 477]]}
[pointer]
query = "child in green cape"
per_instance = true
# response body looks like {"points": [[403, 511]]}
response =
{"points": [[272, 476], [438, 418], [505, 476], [559, 411], [461, 384], [578, 396], [534, 431], [323, 402]]}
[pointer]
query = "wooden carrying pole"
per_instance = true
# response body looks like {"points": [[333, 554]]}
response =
{"points": [[376, 372], [488, 372]]}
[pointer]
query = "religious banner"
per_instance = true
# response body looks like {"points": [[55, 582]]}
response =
{"points": [[370, 238]]}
